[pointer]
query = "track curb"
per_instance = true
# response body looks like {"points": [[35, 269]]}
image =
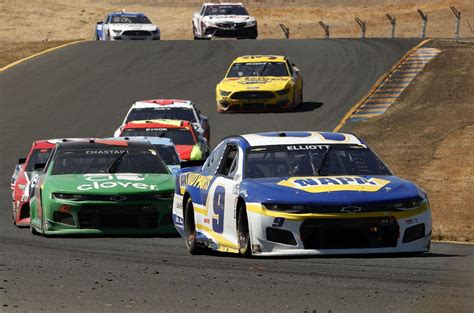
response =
{"points": [[6, 67], [377, 84]]}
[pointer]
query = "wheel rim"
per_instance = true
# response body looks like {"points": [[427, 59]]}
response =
{"points": [[189, 228], [243, 231]]}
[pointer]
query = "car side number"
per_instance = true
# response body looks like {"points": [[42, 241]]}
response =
{"points": [[218, 207]]}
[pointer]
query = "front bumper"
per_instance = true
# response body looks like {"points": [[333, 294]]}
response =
{"points": [[107, 217], [231, 32], [245, 101], [135, 35], [319, 234], [21, 213]]}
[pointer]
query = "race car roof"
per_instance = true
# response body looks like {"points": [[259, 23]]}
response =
{"points": [[300, 137], [50, 143], [127, 14], [168, 103], [224, 3], [163, 123], [102, 143], [260, 58]]}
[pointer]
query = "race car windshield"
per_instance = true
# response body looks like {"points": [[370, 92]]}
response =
{"points": [[36, 157], [225, 10], [277, 69], [156, 114], [100, 160], [312, 160], [168, 154], [130, 19], [179, 136]]}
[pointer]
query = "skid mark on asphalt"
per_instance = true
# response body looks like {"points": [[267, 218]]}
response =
{"points": [[392, 87]]}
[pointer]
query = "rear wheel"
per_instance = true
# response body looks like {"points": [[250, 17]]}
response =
{"points": [[243, 232], [190, 229]]}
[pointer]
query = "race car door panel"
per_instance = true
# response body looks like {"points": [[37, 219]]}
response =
{"points": [[206, 195], [226, 193]]}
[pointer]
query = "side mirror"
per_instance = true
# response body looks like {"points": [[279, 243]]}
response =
{"points": [[21, 160], [185, 164], [39, 166]]}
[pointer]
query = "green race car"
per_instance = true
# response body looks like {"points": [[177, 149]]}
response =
{"points": [[103, 187]]}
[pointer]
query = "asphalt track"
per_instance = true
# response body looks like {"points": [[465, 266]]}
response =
{"points": [[85, 90]]}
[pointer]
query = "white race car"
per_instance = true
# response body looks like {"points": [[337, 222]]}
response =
{"points": [[299, 193], [170, 109], [228, 20], [126, 25]]}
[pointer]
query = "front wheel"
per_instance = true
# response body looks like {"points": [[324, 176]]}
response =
{"points": [[190, 229], [243, 232]]}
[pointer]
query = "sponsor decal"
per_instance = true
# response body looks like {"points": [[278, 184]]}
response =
{"points": [[107, 181], [105, 152], [306, 147], [156, 129], [335, 183], [195, 180]]}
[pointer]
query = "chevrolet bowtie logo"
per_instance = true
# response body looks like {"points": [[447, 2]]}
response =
{"points": [[351, 209]]}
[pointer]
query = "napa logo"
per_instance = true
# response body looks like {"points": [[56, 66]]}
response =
{"points": [[335, 183], [195, 180]]}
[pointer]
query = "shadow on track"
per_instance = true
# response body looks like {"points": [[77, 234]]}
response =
{"points": [[308, 107]]}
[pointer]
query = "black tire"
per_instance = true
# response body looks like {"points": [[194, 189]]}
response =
{"points": [[243, 233], [190, 229]]}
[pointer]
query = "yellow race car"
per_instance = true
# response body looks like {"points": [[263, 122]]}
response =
{"points": [[260, 83]]}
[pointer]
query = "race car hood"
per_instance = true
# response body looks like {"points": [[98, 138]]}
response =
{"points": [[122, 27], [335, 190], [109, 184], [254, 83], [227, 18]]}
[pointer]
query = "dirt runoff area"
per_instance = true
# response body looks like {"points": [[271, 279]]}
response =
{"points": [[427, 137], [37, 20]]}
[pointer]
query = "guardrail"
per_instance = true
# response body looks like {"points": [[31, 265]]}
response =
{"points": [[393, 24]]}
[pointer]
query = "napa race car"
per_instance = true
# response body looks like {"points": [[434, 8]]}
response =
{"points": [[190, 146], [228, 20], [171, 109], [260, 83], [99, 186], [299, 193], [126, 26], [39, 153]]}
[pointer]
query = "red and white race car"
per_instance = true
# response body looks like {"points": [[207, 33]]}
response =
{"points": [[171, 109], [39, 153], [189, 145]]}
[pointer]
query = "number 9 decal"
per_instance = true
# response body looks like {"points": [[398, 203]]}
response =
{"points": [[218, 207]]}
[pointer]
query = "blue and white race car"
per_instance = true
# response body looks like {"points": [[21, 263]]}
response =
{"points": [[126, 26], [299, 193]]}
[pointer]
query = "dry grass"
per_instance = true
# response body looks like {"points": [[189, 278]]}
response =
{"points": [[19, 50], [427, 137], [35, 20]]}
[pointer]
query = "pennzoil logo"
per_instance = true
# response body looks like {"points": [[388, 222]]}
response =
{"points": [[195, 180], [335, 183]]}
